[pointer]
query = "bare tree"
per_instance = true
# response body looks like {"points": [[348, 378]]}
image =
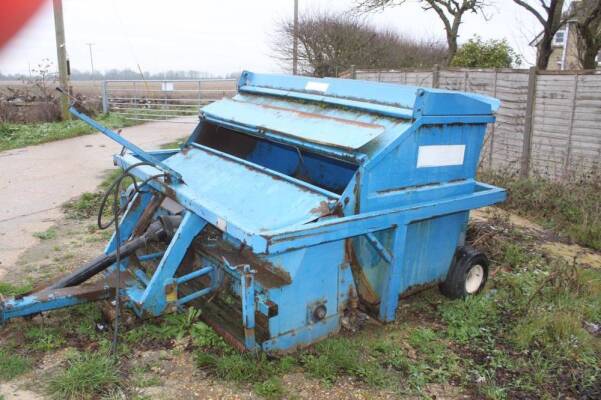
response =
{"points": [[549, 14], [587, 14], [330, 43], [450, 12]]}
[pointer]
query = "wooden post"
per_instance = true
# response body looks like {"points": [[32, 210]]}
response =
{"points": [[436, 76], [528, 123], [61, 53]]}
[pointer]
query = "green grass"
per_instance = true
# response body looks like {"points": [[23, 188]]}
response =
{"points": [[44, 338], [13, 136], [86, 376], [524, 337], [570, 208], [342, 356], [12, 365], [87, 204], [172, 326], [10, 290], [258, 370], [48, 234], [271, 388], [175, 144]]}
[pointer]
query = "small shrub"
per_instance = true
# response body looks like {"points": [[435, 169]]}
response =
{"points": [[87, 375]]}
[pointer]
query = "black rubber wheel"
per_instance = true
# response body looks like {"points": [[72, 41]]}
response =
{"points": [[467, 275]]}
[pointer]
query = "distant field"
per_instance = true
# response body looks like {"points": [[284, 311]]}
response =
{"points": [[137, 100], [210, 89], [87, 88]]}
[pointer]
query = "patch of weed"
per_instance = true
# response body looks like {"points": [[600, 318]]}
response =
{"points": [[8, 289], [87, 375], [176, 144], [43, 338], [571, 208], [204, 337], [336, 356], [470, 318], [48, 234], [140, 377], [172, 326], [271, 388], [12, 365], [244, 368], [87, 204]]}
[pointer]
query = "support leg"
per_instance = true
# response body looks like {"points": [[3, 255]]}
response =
{"points": [[390, 295], [154, 299], [248, 307]]}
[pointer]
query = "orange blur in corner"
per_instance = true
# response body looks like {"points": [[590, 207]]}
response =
{"points": [[14, 14]]}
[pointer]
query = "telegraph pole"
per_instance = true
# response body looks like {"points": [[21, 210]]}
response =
{"points": [[91, 58], [295, 40], [61, 54]]}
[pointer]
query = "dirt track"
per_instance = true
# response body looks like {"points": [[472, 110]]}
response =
{"points": [[35, 181]]}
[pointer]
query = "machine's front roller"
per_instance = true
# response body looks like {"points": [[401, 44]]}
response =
{"points": [[72, 289]]}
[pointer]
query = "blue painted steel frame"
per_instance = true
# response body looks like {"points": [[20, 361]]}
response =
{"points": [[290, 246], [154, 298], [144, 156]]}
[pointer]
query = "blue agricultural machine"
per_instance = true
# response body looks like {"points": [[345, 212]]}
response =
{"points": [[291, 205]]}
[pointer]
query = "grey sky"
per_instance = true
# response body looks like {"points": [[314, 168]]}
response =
{"points": [[217, 36]]}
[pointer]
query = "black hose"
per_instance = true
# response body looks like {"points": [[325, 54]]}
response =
{"points": [[115, 188]]}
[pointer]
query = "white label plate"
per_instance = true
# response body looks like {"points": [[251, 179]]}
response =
{"points": [[317, 86], [440, 155]]}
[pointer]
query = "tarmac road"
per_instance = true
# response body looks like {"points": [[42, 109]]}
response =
{"points": [[35, 181]]}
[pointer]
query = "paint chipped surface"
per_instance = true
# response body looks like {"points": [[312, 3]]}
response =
{"points": [[246, 196], [338, 131]]}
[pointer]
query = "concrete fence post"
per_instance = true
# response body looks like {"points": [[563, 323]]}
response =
{"points": [[528, 123], [105, 98], [353, 72], [436, 76], [494, 125], [568, 160]]}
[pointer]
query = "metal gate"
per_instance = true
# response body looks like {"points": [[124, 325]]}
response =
{"points": [[163, 100]]}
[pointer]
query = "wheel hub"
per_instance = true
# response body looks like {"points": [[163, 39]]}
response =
{"points": [[474, 279]]}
